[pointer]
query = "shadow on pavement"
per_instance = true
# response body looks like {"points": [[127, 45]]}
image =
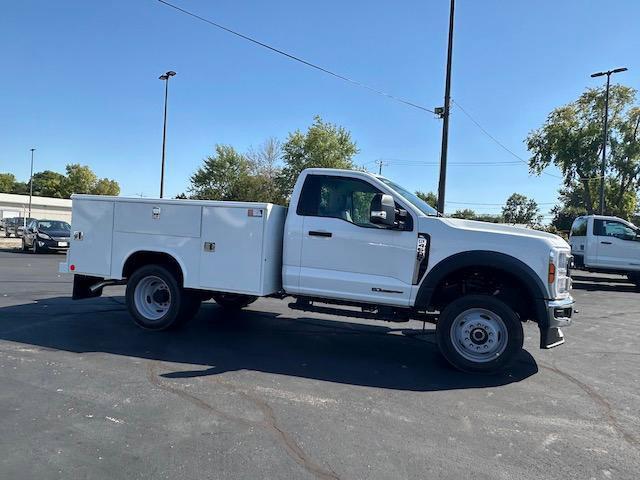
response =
{"points": [[602, 284], [379, 356]]}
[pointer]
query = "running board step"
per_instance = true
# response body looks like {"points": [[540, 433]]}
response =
{"points": [[389, 314]]}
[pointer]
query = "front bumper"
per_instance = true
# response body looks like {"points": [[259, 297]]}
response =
{"points": [[57, 245], [559, 313]]}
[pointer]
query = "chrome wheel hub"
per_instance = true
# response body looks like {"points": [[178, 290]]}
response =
{"points": [[152, 298], [479, 335]]}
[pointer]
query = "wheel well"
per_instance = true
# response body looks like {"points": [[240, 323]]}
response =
{"points": [[142, 258], [485, 280]]}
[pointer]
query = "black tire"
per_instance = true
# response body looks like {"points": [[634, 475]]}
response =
{"points": [[486, 318], [233, 301], [34, 247], [180, 306], [24, 246]]}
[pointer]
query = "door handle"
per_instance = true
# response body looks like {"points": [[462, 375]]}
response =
{"points": [[606, 243], [315, 233]]}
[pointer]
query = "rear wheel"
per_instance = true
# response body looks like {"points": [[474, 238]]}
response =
{"points": [[233, 301], [479, 333], [156, 301]]}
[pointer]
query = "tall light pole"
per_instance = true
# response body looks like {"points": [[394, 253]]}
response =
{"points": [[164, 77], [31, 183], [603, 167], [445, 115]]}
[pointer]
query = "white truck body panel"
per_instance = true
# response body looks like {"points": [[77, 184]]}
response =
{"points": [[246, 257]]}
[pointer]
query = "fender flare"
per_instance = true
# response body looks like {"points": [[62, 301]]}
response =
{"points": [[485, 258], [154, 250]]}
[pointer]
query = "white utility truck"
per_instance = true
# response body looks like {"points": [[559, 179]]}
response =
{"points": [[349, 239], [606, 245]]}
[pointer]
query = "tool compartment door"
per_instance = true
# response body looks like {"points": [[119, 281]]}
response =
{"points": [[231, 250], [91, 237]]}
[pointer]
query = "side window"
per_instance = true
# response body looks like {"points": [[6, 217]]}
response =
{"points": [[337, 197], [579, 228], [611, 228]]}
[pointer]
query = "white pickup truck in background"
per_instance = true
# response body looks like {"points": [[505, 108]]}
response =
{"points": [[606, 245], [349, 239]]}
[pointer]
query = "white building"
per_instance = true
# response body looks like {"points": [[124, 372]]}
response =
{"points": [[41, 207]]}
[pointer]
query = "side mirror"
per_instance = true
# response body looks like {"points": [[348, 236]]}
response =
{"points": [[383, 210]]}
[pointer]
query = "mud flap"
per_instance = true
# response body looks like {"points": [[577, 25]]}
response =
{"points": [[82, 287], [551, 337]]}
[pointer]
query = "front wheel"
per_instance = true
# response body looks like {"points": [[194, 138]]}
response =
{"points": [[156, 301], [479, 334]]}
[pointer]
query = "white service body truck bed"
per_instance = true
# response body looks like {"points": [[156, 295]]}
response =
{"points": [[223, 246], [353, 244]]}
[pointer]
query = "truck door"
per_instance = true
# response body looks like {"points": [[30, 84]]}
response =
{"points": [[618, 245], [343, 254]]}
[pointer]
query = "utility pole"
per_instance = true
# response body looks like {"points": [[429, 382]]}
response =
{"points": [[31, 183], [445, 115], [166, 78], [603, 167], [380, 163]]}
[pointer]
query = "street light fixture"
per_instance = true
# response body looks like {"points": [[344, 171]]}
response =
{"points": [[165, 77], [31, 183], [603, 167]]}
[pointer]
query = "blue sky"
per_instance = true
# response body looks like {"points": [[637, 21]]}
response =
{"points": [[80, 83]]}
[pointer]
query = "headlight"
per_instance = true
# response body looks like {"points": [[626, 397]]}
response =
{"points": [[558, 276], [44, 235]]}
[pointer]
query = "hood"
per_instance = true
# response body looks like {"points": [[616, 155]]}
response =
{"points": [[503, 229], [56, 233]]}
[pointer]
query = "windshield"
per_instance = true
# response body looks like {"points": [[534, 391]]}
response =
{"points": [[53, 225], [416, 201]]}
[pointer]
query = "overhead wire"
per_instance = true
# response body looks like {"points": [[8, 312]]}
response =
{"points": [[357, 83], [296, 58]]}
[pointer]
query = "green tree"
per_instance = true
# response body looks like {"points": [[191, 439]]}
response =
{"points": [[323, 145], [264, 166], [79, 179], [21, 188], [522, 210], [571, 139], [104, 186], [7, 182], [221, 176], [48, 184], [429, 197], [466, 214]]}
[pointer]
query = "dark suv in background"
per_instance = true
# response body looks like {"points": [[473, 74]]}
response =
{"points": [[16, 225], [43, 235]]}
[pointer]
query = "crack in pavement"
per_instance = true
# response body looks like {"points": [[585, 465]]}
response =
{"points": [[599, 400], [270, 422]]}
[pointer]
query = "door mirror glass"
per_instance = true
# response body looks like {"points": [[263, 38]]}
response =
{"points": [[383, 210]]}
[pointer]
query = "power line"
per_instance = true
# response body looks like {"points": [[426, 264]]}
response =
{"points": [[498, 142], [295, 58], [392, 161], [494, 204], [501, 145]]}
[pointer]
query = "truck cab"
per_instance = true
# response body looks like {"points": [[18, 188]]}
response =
{"points": [[351, 243], [606, 244]]}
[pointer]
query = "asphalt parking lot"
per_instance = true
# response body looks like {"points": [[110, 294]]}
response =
{"points": [[271, 393]]}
